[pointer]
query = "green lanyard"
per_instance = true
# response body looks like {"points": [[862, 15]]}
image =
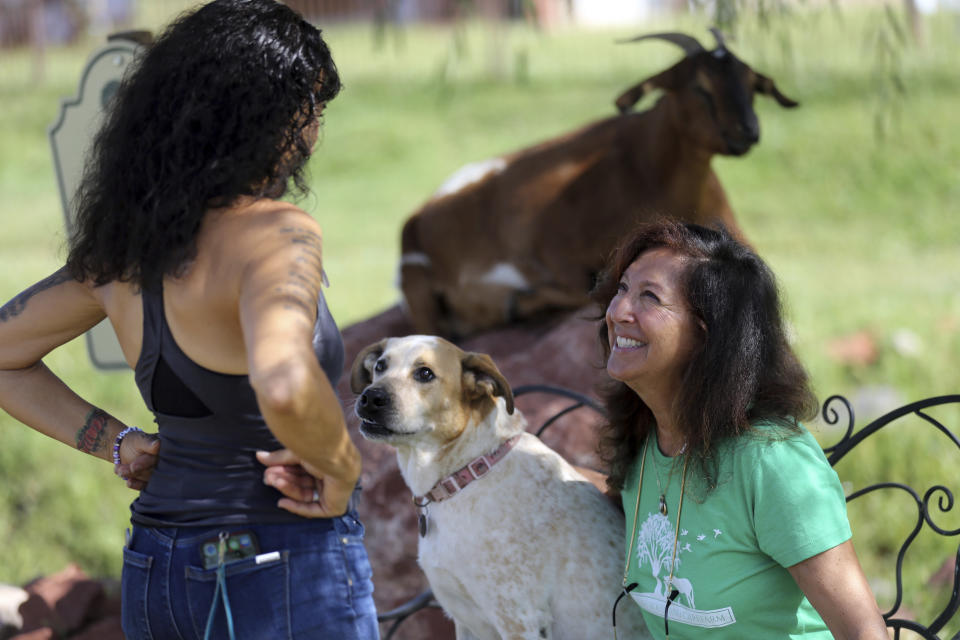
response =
{"points": [[220, 592], [633, 534]]}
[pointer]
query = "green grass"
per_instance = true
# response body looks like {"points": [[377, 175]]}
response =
{"points": [[863, 231]]}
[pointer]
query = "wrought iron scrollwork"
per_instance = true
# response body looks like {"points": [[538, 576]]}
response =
{"points": [[831, 417], [397, 615], [831, 413], [579, 401]]}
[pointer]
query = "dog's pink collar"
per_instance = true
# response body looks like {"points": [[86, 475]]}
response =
{"points": [[456, 481]]}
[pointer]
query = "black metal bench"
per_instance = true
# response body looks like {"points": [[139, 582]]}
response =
{"points": [[835, 410], [916, 414]]}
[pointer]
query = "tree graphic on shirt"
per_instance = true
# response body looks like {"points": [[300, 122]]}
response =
{"points": [[655, 545]]}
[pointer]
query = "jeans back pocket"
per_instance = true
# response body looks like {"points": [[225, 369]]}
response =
{"points": [[135, 582], [257, 590]]}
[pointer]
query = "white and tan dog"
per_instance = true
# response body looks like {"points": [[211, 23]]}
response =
{"points": [[521, 546]]}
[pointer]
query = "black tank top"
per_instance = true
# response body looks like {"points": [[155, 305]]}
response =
{"points": [[210, 428]]}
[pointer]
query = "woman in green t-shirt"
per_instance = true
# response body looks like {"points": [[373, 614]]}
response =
{"points": [[736, 523]]}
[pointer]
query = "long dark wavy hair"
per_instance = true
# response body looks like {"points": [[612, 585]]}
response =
{"points": [[215, 109], [744, 370]]}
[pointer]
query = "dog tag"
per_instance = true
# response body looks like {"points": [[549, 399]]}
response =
{"points": [[422, 524]]}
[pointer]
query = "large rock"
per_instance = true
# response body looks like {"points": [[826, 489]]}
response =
{"points": [[559, 352], [69, 604]]}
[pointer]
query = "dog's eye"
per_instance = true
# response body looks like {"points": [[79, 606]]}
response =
{"points": [[423, 374], [380, 366]]}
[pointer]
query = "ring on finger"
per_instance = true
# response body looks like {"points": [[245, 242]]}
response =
{"points": [[316, 496]]}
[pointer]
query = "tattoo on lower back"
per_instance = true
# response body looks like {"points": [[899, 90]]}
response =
{"points": [[93, 433], [16, 305]]}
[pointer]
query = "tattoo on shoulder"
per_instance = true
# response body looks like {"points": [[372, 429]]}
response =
{"points": [[93, 433], [18, 303], [299, 235], [305, 276]]}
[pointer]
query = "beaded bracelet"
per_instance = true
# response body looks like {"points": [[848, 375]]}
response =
{"points": [[118, 440]]}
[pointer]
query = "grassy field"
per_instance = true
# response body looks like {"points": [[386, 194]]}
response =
{"points": [[863, 229]]}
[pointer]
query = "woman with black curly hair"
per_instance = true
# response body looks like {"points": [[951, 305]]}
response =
{"points": [[736, 523], [214, 288]]}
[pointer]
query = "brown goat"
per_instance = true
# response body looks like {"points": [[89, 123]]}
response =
{"points": [[525, 234]]}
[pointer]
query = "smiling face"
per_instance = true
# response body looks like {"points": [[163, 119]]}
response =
{"points": [[651, 330]]}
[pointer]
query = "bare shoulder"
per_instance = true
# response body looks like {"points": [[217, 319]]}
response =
{"points": [[274, 223], [266, 234], [283, 236], [282, 268]]}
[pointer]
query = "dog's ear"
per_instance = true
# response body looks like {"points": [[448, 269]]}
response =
{"points": [[482, 378], [362, 373]]}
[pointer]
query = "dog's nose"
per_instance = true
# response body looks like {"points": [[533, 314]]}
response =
{"points": [[374, 398]]}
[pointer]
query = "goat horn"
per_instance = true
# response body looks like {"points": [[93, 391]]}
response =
{"points": [[718, 36], [688, 43]]}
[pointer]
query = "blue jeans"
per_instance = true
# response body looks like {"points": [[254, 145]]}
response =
{"points": [[317, 585]]}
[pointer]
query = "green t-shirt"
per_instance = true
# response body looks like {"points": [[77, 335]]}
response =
{"points": [[777, 502]]}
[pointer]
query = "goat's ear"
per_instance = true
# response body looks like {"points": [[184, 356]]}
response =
{"points": [[670, 80], [362, 373], [482, 378], [631, 96], [766, 86]]}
